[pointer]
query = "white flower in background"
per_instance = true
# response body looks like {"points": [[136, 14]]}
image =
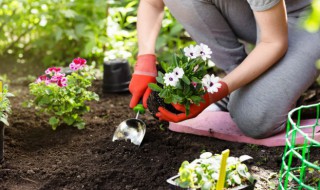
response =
{"points": [[211, 83], [211, 63], [205, 52], [192, 51], [179, 72], [170, 79]]}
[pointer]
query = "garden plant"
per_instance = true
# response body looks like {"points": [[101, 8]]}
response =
{"points": [[184, 80], [203, 173], [41, 34], [5, 110], [62, 96]]}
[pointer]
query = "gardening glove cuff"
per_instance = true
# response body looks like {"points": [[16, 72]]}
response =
{"points": [[146, 65], [222, 92], [145, 72]]}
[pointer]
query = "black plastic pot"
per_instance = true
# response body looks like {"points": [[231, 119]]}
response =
{"points": [[1, 142], [116, 76]]}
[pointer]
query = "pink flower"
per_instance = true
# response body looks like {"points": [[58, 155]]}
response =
{"points": [[53, 70], [62, 82], [43, 78], [77, 63], [55, 78], [194, 84]]}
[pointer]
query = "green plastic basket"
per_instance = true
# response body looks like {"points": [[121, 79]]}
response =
{"points": [[299, 165]]}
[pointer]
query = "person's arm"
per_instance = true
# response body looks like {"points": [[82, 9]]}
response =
{"points": [[150, 15], [269, 50]]}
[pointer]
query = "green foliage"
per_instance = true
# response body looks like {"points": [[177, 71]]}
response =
{"points": [[53, 31], [204, 172], [65, 104], [5, 105], [312, 23]]}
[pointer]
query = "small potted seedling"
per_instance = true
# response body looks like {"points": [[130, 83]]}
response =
{"points": [[5, 109], [184, 80], [64, 96], [210, 172]]}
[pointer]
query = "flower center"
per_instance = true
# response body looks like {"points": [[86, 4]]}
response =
{"points": [[170, 79], [211, 84]]}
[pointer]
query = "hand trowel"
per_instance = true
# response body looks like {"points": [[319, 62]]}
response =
{"points": [[132, 129]]}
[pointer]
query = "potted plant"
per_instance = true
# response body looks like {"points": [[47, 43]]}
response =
{"points": [[203, 173], [184, 80], [64, 97], [5, 110]]}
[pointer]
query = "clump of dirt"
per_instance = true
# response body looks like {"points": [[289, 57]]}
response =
{"points": [[36, 157]]}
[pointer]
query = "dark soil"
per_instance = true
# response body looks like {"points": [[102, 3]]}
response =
{"points": [[36, 157]]}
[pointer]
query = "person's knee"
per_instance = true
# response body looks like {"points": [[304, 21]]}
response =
{"points": [[258, 124]]}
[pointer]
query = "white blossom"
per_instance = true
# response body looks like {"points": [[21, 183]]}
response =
{"points": [[211, 83], [179, 72], [192, 51], [205, 52], [170, 79]]}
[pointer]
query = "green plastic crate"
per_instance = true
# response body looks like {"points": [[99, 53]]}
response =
{"points": [[299, 165]]}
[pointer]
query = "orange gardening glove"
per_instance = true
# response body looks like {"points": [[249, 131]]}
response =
{"points": [[145, 72], [209, 98]]}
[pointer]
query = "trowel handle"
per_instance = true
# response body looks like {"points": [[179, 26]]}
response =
{"points": [[139, 108]]}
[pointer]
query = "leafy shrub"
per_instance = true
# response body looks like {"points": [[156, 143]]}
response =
{"points": [[5, 105], [64, 97]]}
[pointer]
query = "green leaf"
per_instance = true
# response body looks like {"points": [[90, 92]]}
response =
{"points": [[88, 47], [80, 125], [175, 62], [4, 120], [68, 120], [159, 78], [164, 66], [196, 99], [68, 13], [236, 178], [44, 100], [53, 121], [154, 87], [186, 79], [196, 80]]}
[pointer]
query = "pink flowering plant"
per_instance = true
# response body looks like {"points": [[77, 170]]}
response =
{"points": [[185, 79], [63, 96]]}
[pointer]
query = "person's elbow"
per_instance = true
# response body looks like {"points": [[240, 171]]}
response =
{"points": [[282, 45], [158, 4]]}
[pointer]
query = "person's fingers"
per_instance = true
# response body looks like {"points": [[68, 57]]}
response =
{"points": [[179, 107], [134, 100], [145, 97], [164, 114]]}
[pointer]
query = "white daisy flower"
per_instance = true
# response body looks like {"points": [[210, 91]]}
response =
{"points": [[211, 83], [179, 72], [205, 52], [206, 80], [192, 51], [170, 79]]}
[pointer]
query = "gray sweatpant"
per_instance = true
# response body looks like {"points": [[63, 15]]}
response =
{"points": [[260, 108]]}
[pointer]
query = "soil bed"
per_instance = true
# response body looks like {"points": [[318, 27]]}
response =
{"points": [[36, 157]]}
